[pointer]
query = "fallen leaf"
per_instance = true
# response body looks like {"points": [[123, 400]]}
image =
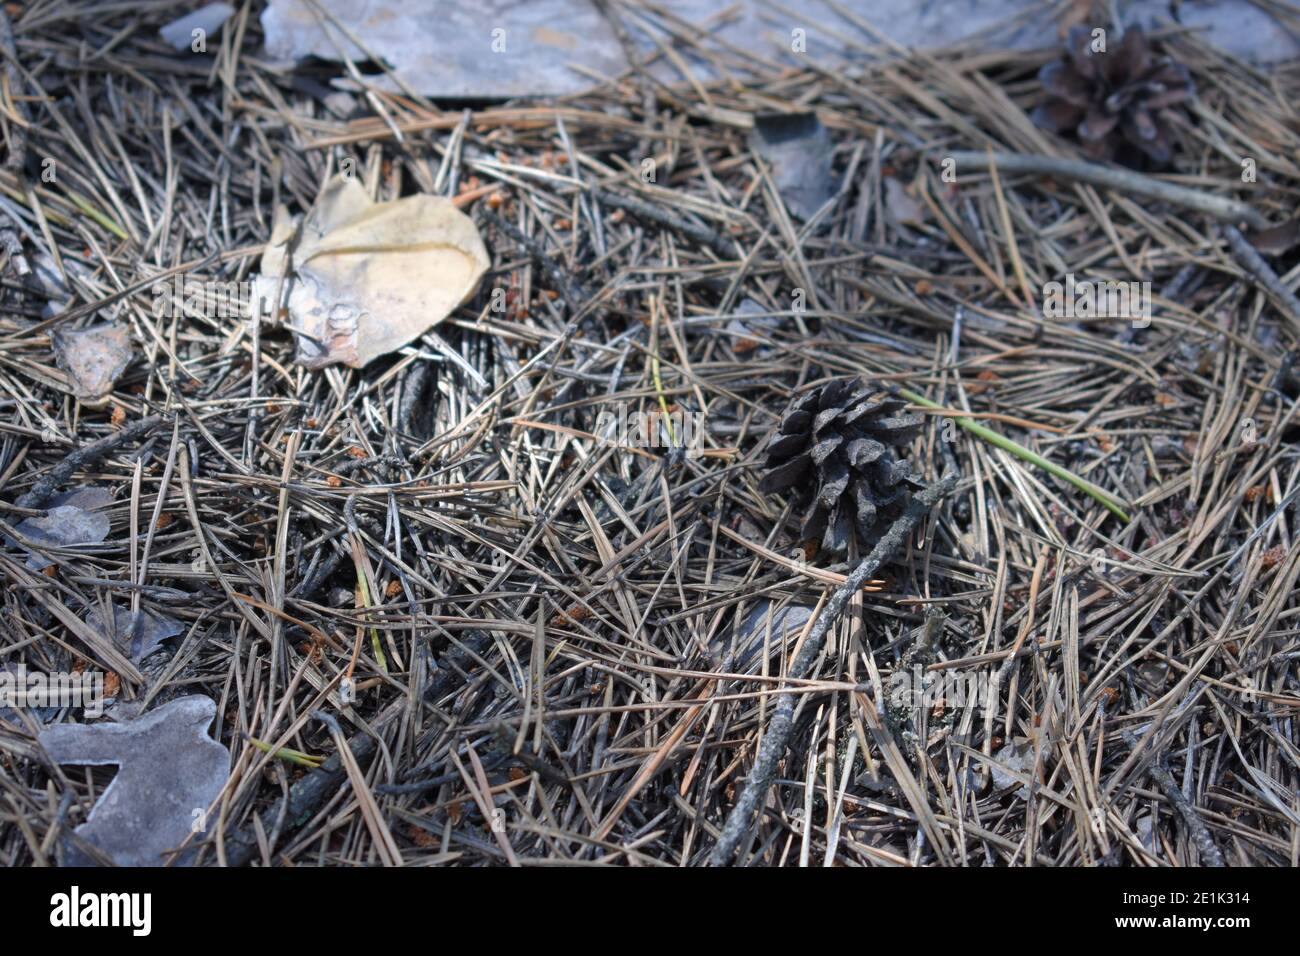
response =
{"points": [[170, 772], [93, 359], [71, 519], [180, 33], [900, 207], [1277, 240], [797, 147], [137, 635], [367, 277], [752, 632]]}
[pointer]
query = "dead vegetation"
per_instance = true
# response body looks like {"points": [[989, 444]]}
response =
{"points": [[546, 632]]}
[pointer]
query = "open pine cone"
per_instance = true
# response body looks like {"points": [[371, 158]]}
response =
{"points": [[834, 445], [1112, 98]]}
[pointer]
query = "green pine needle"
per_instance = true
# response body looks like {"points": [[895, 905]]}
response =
{"points": [[1107, 501]]}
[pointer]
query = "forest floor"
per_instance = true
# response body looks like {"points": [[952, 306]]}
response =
{"points": [[546, 633]]}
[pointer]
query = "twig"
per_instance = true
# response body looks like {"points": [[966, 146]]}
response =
{"points": [[778, 730], [644, 210], [45, 487], [1263, 274], [1205, 845], [1123, 180], [304, 799], [17, 132], [573, 290], [17, 135]]}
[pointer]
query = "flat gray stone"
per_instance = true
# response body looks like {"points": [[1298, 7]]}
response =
{"points": [[501, 49]]}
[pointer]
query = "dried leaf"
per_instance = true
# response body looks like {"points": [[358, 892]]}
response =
{"points": [[71, 519], [368, 278], [752, 632], [1279, 239], [93, 359], [168, 769], [137, 634], [797, 147], [180, 32], [901, 208]]}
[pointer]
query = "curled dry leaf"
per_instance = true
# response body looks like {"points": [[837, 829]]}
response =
{"points": [[901, 208], [71, 519], [362, 279], [180, 33], [93, 358], [798, 149], [138, 634], [752, 637], [1278, 240]]}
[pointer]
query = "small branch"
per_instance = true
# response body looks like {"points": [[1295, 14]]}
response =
{"points": [[1263, 274], [45, 488], [1121, 180], [16, 133], [777, 737], [1205, 845], [305, 797], [656, 214], [16, 129], [572, 289]]}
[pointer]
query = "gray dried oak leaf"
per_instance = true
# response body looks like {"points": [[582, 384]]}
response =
{"points": [[170, 772], [138, 634], [71, 519], [798, 149], [766, 629]]}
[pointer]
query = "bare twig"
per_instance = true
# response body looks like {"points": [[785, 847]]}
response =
{"points": [[777, 736], [1122, 180]]}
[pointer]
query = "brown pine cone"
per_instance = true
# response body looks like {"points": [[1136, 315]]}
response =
{"points": [[833, 446], [1112, 98]]}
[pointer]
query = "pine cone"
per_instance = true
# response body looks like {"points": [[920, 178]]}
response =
{"points": [[1110, 98], [833, 444]]}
